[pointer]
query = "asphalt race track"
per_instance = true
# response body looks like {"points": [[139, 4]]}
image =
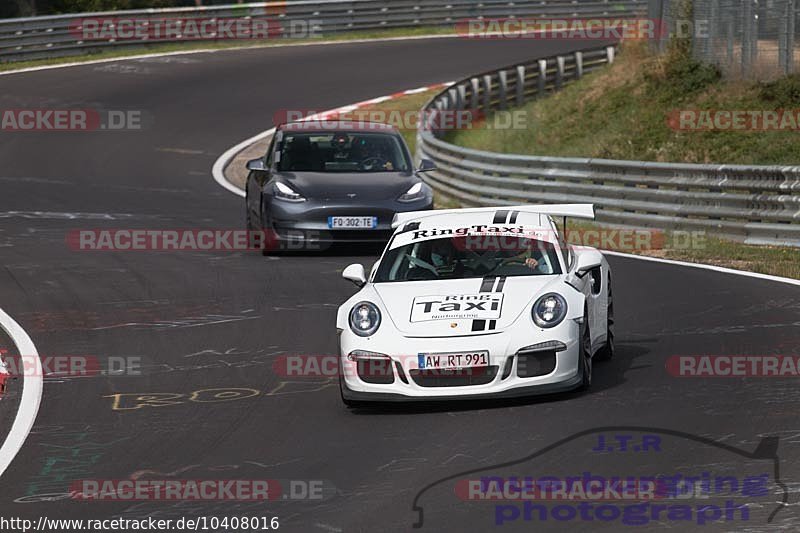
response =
{"points": [[217, 320]]}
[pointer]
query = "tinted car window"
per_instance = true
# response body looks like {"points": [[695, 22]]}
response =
{"points": [[342, 152], [468, 257]]}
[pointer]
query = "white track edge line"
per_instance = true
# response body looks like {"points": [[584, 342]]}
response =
{"points": [[218, 170], [31, 392]]}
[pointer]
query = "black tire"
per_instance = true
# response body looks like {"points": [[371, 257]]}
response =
{"points": [[607, 351], [248, 219], [252, 232], [585, 355], [266, 247]]}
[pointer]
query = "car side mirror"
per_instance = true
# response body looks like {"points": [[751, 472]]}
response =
{"points": [[426, 165], [587, 260], [256, 164], [355, 273]]}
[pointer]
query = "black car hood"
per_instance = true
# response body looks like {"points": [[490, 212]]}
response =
{"points": [[343, 185]]}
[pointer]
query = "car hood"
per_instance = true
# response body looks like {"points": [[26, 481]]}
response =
{"points": [[460, 307], [342, 185]]}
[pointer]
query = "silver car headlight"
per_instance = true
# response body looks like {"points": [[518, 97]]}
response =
{"points": [[284, 192], [549, 310], [416, 192], [365, 318]]}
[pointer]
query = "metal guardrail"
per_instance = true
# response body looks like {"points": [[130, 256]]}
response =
{"points": [[57, 36], [757, 204]]}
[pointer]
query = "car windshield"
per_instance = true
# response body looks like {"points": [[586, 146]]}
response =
{"points": [[471, 256], [341, 152]]}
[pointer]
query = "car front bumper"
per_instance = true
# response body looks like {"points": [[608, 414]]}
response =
{"points": [[505, 377], [308, 221]]}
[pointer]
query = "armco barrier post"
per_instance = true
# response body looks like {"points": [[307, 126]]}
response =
{"points": [[520, 85], [542, 77], [559, 72], [473, 101], [487, 94], [503, 88]]}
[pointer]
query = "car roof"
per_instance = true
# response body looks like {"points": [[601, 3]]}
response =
{"points": [[328, 125]]}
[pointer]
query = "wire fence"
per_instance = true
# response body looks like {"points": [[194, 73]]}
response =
{"points": [[745, 38]]}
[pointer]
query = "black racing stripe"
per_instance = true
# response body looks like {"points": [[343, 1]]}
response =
{"points": [[478, 325], [492, 324], [513, 218], [487, 284], [500, 217], [500, 284]]}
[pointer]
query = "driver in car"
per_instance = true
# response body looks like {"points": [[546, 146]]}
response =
{"points": [[441, 254], [532, 256], [371, 156]]}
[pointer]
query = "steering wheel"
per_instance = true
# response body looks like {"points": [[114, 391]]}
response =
{"points": [[422, 264], [370, 163]]}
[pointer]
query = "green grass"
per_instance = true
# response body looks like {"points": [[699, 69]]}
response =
{"points": [[134, 50], [621, 111]]}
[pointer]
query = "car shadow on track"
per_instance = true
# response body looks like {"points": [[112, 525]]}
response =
{"points": [[607, 375]]}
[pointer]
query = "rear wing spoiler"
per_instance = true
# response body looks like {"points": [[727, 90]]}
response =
{"points": [[556, 210]]}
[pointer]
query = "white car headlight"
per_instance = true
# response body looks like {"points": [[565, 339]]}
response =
{"points": [[365, 318], [549, 310], [284, 192], [416, 192]]}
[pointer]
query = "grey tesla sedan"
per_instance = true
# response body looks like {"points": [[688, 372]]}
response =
{"points": [[338, 182]]}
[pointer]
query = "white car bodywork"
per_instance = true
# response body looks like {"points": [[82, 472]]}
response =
{"points": [[428, 317]]}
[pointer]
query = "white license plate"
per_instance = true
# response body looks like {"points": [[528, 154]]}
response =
{"points": [[426, 361], [352, 222]]}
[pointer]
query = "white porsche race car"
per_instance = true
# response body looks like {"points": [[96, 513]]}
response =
{"points": [[466, 303]]}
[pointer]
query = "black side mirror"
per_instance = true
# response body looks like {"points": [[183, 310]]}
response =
{"points": [[256, 164], [426, 165]]}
